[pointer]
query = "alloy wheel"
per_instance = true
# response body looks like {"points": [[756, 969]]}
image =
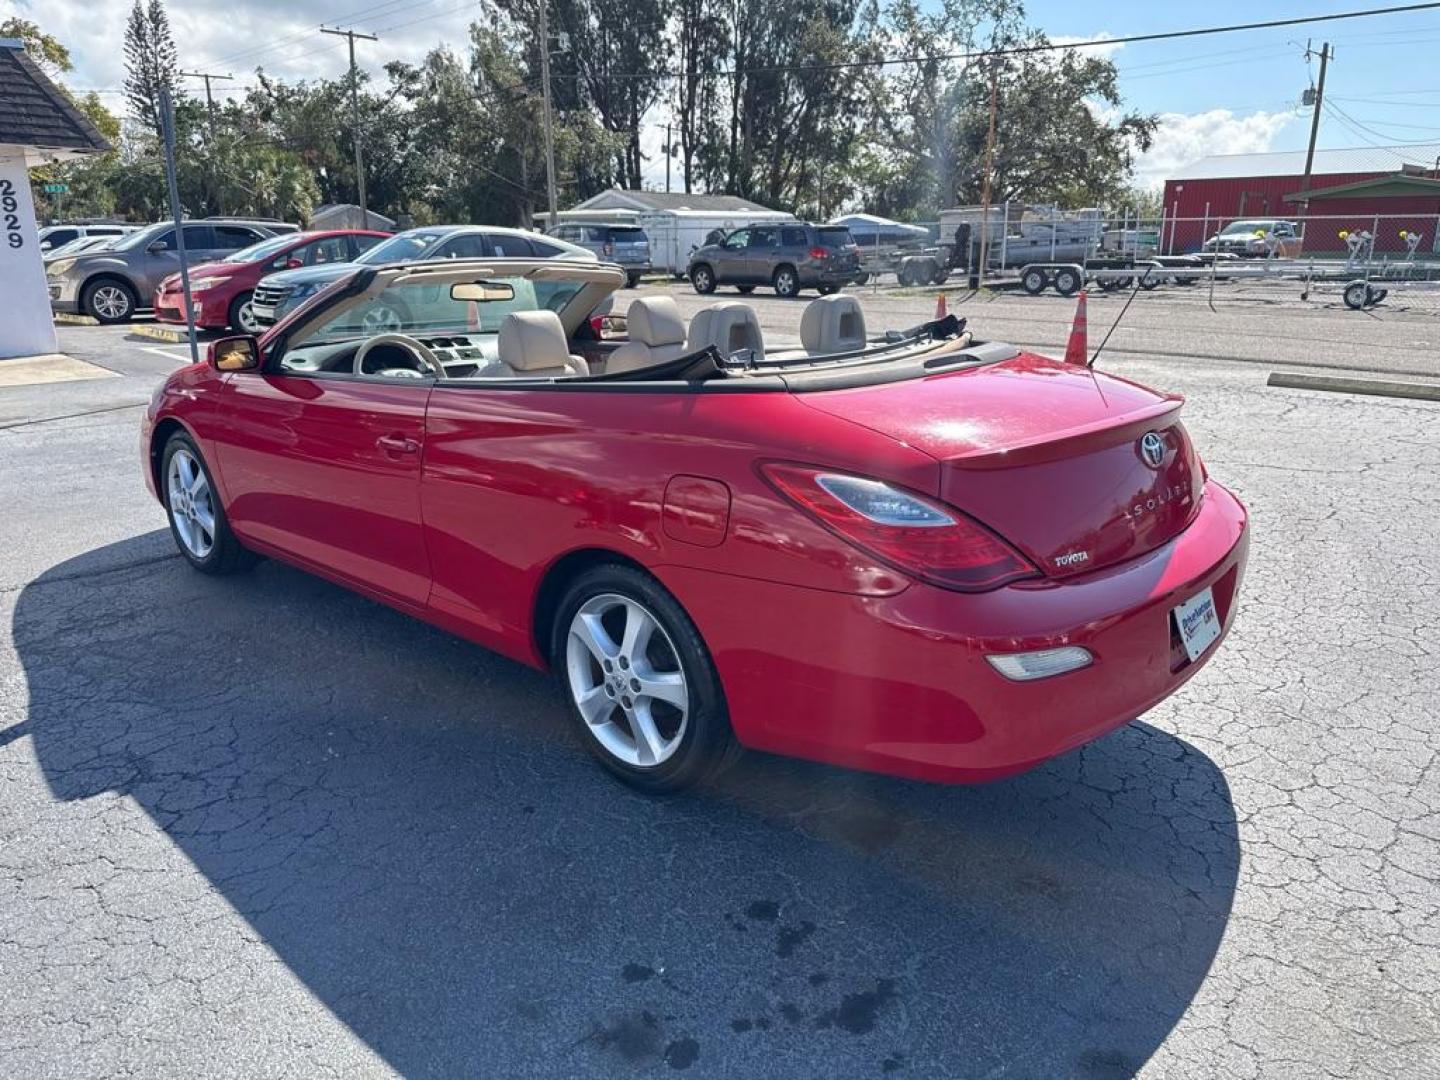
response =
{"points": [[110, 302], [785, 283], [246, 318], [192, 507], [627, 681]]}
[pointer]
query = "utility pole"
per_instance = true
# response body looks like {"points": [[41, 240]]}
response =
{"points": [[209, 100], [167, 136], [1325, 54], [985, 185], [549, 132], [209, 121], [668, 151], [355, 116]]}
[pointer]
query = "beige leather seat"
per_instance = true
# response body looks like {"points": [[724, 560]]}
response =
{"points": [[730, 327], [832, 324], [657, 334], [532, 345]]}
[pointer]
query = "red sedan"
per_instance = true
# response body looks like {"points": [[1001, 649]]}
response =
{"points": [[220, 291], [917, 553]]}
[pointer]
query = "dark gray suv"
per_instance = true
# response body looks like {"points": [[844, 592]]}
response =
{"points": [[788, 256]]}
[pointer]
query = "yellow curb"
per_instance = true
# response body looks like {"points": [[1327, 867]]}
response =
{"points": [[66, 319], [161, 333]]}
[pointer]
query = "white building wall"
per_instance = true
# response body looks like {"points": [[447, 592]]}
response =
{"points": [[26, 325]]}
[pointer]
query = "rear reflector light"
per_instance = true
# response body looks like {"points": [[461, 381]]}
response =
{"points": [[818, 253], [1027, 666], [609, 249], [907, 531]]}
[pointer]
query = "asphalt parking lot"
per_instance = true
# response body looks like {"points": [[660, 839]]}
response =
{"points": [[263, 827]]}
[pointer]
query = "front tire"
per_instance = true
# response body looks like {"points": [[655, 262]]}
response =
{"points": [[109, 301], [197, 520], [640, 681], [242, 317], [702, 279], [1067, 282]]}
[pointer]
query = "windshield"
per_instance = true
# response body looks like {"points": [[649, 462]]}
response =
{"points": [[406, 247], [263, 250], [141, 237], [421, 308]]}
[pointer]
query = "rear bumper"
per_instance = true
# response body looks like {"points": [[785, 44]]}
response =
{"points": [[900, 684]]}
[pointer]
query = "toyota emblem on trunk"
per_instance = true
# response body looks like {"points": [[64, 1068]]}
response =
{"points": [[1152, 449]]}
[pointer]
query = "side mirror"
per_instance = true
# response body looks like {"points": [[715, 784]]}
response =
{"points": [[240, 353], [155, 247], [293, 264]]}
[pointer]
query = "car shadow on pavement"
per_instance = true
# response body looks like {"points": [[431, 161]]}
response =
{"points": [[409, 823]]}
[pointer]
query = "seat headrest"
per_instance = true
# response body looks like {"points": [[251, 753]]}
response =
{"points": [[832, 324], [533, 340], [655, 320], [730, 327]]}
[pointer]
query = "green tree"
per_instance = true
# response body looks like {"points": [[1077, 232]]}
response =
{"points": [[151, 62], [47, 52]]}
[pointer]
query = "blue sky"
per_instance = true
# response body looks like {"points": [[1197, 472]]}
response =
{"points": [[1227, 93], [1384, 75]]}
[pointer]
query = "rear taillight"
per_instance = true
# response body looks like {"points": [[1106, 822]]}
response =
{"points": [[818, 253], [924, 539]]}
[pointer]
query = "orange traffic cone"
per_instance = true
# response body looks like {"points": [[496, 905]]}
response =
{"points": [[1077, 350], [940, 309]]}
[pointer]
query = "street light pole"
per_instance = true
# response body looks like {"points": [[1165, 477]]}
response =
{"points": [[351, 35], [549, 132]]}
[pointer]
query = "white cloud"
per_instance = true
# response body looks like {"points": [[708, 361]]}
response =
{"points": [[279, 35], [1183, 138], [1097, 44]]}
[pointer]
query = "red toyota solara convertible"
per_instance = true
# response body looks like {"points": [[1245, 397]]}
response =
{"points": [[915, 552]]}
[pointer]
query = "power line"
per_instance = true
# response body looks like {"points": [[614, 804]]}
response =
{"points": [[1037, 48]]}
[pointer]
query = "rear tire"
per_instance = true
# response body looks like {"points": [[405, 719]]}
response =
{"points": [[827, 290], [1357, 295], [1034, 281], [109, 301], [632, 280], [702, 279], [786, 282], [647, 741], [1067, 282], [197, 520]]}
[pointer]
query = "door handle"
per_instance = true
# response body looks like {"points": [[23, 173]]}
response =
{"points": [[397, 444]]}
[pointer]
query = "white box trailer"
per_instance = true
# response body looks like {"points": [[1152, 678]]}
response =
{"points": [[674, 234]]}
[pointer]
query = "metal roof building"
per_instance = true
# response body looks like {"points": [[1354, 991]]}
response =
{"points": [[1388, 189]]}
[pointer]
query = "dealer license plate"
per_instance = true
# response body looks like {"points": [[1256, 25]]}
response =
{"points": [[1199, 623]]}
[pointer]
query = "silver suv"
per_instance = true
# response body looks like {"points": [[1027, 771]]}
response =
{"points": [[625, 245], [112, 284]]}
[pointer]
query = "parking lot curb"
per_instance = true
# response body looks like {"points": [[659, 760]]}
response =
{"points": [[1343, 385], [160, 333], [66, 319]]}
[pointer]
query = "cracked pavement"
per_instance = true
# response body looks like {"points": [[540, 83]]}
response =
{"points": [[263, 827]]}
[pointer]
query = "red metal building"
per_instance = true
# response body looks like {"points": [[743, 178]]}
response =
{"points": [[1385, 190]]}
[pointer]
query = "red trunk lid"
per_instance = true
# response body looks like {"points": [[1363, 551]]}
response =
{"points": [[1049, 455]]}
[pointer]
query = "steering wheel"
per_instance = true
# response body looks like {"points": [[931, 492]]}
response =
{"points": [[402, 341]]}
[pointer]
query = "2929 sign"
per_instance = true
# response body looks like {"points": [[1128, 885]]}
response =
{"points": [[8, 206]]}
